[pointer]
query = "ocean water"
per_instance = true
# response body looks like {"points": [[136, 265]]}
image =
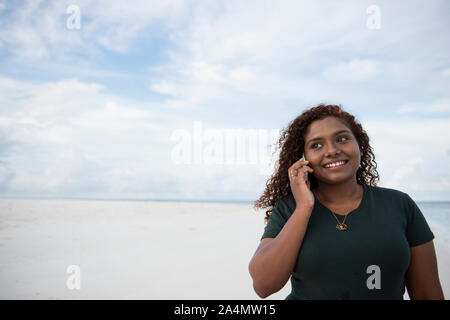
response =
{"points": [[437, 215], [436, 211]]}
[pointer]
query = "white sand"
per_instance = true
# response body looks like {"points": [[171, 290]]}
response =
{"points": [[442, 246], [136, 250]]}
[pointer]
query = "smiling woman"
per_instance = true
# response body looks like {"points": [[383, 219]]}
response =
{"points": [[307, 134], [330, 228]]}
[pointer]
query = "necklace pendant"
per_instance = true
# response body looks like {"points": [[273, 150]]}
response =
{"points": [[341, 226]]}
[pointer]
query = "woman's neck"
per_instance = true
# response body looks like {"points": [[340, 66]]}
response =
{"points": [[338, 194]]}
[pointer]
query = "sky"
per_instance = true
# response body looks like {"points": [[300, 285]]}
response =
{"points": [[185, 99]]}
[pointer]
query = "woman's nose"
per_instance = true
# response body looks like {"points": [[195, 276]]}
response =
{"points": [[332, 150]]}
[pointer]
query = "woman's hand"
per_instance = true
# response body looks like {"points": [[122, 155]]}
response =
{"points": [[301, 188]]}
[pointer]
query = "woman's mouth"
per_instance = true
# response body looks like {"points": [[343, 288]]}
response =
{"points": [[335, 165]]}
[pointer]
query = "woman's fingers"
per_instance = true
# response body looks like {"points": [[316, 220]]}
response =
{"points": [[299, 163], [299, 171], [293, 169]]}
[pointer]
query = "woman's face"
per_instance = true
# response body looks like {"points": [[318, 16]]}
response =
{"points": [[330, 141]]}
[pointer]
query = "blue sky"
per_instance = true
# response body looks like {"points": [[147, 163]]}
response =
{"points": [[91, 111]]}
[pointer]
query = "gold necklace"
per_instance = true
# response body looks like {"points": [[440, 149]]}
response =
{"points": [[341, 226]]}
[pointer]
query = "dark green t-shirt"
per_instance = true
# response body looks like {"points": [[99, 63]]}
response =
{"points": [[334, 264]]}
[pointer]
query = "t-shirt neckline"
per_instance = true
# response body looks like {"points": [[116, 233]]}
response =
{"points": [[361, 204]]}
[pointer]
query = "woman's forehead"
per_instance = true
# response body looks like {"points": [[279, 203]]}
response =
{"points": [[324, 127]]}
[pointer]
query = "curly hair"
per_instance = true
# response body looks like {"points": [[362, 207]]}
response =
{"points": [[291, 144]]}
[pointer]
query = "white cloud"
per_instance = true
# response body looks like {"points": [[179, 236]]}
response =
{"points": [[446, 73], [42, 112], [407, 168], [38, 31], [59, 98], [60, 173], [441, 106], [412, 155], [245, 60], [3, 173], [396, 137], [165, 87], [438, 107], [62, 128], [115, 118], [404, 71], [356, 70], [201, 82]]}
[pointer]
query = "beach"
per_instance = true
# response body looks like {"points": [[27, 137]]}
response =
{"points": [[137, 250]]}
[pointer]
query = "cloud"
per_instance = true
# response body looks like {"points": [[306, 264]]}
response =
{"points": [[166, 88], [356, 70], [438, 107], [441, 106], [37, 30], [114, 118], [99, 103], [262, 55], [54, 133], [59, 98], [409, 167], [412, 154], [42, 112], [55, 176], [3, 173], [446, 73]]}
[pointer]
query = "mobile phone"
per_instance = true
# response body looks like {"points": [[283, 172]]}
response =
{"points": [[306, 173]]}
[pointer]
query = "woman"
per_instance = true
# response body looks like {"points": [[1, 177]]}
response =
{"points": [[330, 228]]}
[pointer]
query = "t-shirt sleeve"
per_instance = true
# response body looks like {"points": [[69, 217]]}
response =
{"points": [[417, 230], [276, 222]]}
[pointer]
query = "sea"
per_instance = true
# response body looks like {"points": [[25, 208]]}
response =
{"points": [[438, 215], [436, 211]]}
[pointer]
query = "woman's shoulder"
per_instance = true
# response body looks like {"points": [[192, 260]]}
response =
{"points": [[392, 197], [386, 192], [286, 203]]}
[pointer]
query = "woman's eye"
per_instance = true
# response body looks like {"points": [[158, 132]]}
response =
{"points": [[340, 139]]}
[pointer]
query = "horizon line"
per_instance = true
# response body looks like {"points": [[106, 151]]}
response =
{"points": [[128, 199], [246, 201]]}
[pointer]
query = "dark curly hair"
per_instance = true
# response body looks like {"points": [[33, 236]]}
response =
{"points": [[291, 144]]}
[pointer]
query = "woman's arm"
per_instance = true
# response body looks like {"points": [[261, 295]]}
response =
{"points": [[274, 260], [422, 278]]}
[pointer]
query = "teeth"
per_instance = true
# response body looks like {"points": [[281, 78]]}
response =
{"points": [[334, 164]]}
